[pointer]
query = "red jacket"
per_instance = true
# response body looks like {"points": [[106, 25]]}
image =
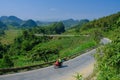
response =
{"points": [[57, 63]]}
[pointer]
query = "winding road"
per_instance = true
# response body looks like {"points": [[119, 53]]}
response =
{"points": [[78, 64]]}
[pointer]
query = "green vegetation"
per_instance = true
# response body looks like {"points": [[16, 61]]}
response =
{"points": [[78, 77], [108, 63], [63, 45], [35, 50], [9, 36], [6, 61], [104, 25]]}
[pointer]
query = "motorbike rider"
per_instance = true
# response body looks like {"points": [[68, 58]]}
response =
{"points": [[60, 62]]}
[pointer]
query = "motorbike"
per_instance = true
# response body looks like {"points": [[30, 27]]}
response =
{"points": [[58, 65]]}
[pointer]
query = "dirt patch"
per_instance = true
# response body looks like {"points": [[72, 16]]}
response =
{"points": [[86, 71]]}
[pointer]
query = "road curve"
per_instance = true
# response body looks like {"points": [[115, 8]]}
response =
{"points": [[69, 68], [49, 73]]}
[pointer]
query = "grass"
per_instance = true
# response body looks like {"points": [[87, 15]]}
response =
{"points": [[24, 61], [78, 48], [78, 77], [9, 36]]}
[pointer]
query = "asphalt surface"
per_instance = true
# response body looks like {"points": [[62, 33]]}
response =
{"points": [[49, 73], [69, 67]]}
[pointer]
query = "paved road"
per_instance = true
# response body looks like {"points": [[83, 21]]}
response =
{"points": [[105, 41], [69, 68]]}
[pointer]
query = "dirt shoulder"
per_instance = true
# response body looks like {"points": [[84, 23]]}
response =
{"points": [[85, 72]]}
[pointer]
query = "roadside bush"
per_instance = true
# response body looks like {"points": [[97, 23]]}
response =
{"points": [[108, 62], [78, 77]]}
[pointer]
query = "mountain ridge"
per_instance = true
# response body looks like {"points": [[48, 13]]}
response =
{"points": [[18, 22]]}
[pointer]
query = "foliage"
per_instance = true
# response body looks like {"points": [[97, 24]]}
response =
{"points": [[97, 35], [26, 42], [3, 50], [78, 76], [108, 63], [43, 53], [6, 62], [104, 24]]}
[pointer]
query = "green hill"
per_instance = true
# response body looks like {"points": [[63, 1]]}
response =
{"points": [[105, 24], [11, 20], [28, 24]]}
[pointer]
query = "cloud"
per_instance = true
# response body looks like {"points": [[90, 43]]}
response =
{"points": [[52, 9]]}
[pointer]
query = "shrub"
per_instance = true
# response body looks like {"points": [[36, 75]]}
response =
{"points": [[108, 63], [78, 76], [6, 62]]}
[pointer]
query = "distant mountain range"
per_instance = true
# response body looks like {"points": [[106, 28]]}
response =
{"points": [[71, 22], [10, 19], [17, 22]]}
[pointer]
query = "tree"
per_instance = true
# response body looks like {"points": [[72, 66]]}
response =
{"points": [[44, 53], [59, 28]]}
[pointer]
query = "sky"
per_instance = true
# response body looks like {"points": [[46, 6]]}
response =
{"points": [[58, 9]]}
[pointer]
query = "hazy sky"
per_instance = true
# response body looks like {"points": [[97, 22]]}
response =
{"points": [[58, 9]]}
